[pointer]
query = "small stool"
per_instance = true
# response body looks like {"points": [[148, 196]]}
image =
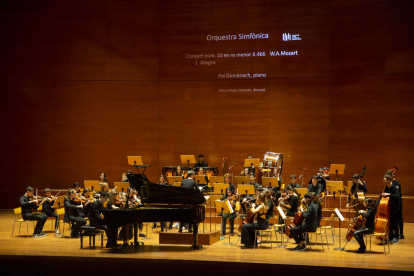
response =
{"points": [[90, 231]]}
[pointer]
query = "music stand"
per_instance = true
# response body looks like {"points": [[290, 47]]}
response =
{"points": [[283, 215], [91, 183], [241, 180], [174, 179], [340, 186], [216, 179], [201, 180], [246, 189], [188, 159], [121, 186], [334, 191], [270, 182], [337, 169], [220, 188], [302, 191], [59, 202], [341, 218], [136, 161], [254, 162]]}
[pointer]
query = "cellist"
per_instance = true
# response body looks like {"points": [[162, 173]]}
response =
{"points": [[247, 231], [309, 225], [369, 215]]}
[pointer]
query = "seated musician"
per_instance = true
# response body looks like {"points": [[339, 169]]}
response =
{"points": [[245, 198], [316, 187], [310, 223], [27, 202], [72, 213], [87, 202], [76, 187], [369, 214], [317, 201], [48, 209], [357, 185], [104, 188], [95, 219], [163, 181], [190, 184], [200, 162], [392, 191], [201, 172], [227, 178], [293, 183], [225, 216], [124, 176], [133, 200], [247, 232], [179, 171], [291, 204]]}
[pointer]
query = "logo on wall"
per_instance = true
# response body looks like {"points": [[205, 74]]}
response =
{"points": [[289, 37]]}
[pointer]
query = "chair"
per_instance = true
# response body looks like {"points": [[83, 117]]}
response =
{"points": [[317, 233], [278, 228], [18, 211], [326, 227], [383, 233], [61, 213], [260, 232]]}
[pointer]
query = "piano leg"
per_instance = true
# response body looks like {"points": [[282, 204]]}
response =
{"points": [[136, 242], [195, 237]]}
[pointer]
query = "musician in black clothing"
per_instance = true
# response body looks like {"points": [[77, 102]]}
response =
{"points": [[76, 187], [357, 185], [200, 162], [201, 172], [293, 202], [72, 213], [27, 202], [321, 180], [227, 178], [399, 212], [392, 191], [293, 183], [247, 235], [86, 196], [309, 225], [47, 208], [369, 214], [316, 187], [190, 184], [95, 219], [245, 198], [124, 176], [225, 216]]}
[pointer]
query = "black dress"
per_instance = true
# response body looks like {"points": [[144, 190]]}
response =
{"points": [[247, 233]]}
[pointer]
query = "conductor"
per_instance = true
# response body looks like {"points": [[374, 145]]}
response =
{"points": [[190, 184]]}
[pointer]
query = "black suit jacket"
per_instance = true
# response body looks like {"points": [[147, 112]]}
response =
{"points": [[189, 183], [70, 209]]}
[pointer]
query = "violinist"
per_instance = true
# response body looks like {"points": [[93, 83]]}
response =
{"points": [[369, 214], [315, 187], [232, 199], [95, 219], [76, 187], [392, 191], [227, 178], [290, 202], [310, 223], [247, 231], [113, 202], [258, 188], [357, 185], [27, 202], [104, 188], [72, 213], [399, 211], [134, 200], [87, 202], [47, 207]]}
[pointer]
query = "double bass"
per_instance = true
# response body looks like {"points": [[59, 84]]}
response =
{"points": [[360, 196]]}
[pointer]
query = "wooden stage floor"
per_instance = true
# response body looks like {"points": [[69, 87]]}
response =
{"points": [[19, 251]]}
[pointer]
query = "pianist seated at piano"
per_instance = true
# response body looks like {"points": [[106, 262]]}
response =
{"points": [[95, 219], [190, 184]]}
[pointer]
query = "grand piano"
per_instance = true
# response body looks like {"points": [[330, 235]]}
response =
{"points": [[159, 204]]}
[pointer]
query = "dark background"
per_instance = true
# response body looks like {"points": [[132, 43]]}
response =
{"points": [[86, 83]]}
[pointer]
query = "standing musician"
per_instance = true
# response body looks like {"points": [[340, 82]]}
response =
{"points": [[86, 196], [227, 178], [27, 202], [357, 185], [229, 196], [310, 223], [95, 219], [72, 213], [316, 187], [369, 214], [247, 231], [200, 162], [392, 191], [399, 212], [190, 184], [48, 209]]}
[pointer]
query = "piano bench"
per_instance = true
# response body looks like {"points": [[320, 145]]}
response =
{"points": [[90, 232]]}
